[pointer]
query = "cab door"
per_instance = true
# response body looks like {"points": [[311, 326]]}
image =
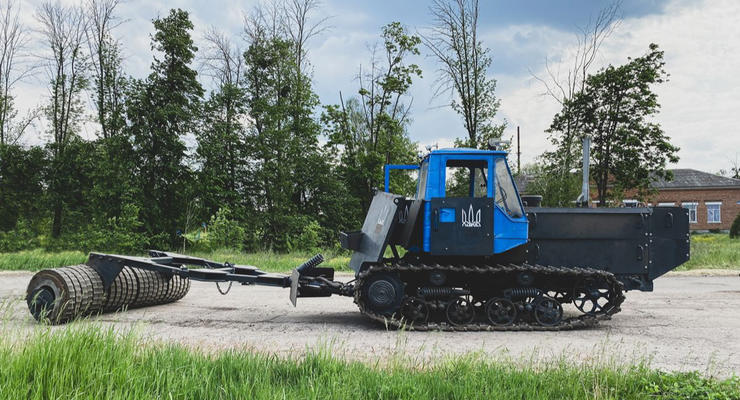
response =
{"points": [[462, 220]]}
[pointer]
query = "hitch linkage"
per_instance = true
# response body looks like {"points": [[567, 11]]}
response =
{"points": [[307, 280]]}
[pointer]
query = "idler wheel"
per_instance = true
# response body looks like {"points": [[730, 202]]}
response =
{"points": [[383, 293], [547, 311], [592, 297], [460, 311], [500, 311]]}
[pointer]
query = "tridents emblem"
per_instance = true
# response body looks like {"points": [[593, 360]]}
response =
{"points": [[471, 220]]}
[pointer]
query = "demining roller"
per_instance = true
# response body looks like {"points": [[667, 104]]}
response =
{"points": [[60, 295], [110, 282]]}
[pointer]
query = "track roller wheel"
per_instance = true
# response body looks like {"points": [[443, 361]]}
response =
{"points": [[460, 311], [500, 311], [414, 310], [547, 311]]}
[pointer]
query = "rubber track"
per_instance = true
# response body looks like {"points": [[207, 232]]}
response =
{"points": [[579, 322]]}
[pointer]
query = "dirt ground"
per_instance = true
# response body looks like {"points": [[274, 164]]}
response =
{"points": [[687, 323]]}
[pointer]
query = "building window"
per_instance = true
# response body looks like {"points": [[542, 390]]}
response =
{"points": [[691, 206], [714, 212]]}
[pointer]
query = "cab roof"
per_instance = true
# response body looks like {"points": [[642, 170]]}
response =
{"points": [[466, 150]]}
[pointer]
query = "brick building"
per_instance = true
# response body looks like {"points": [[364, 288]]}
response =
{"points": [[713, 201]]}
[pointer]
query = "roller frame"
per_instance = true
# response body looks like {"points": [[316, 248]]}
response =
{"points": [[305, 281]]}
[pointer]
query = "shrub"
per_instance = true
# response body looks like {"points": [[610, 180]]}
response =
{"points": [[309, 238], [225, 232], [735, 228], [22, 237]]}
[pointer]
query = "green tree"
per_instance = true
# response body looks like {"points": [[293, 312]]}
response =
{"points": [[222, 153], [283, 140], [367, 132], [163, 109], [21, 184], [463, 69], [616, 108], [63, 30]]}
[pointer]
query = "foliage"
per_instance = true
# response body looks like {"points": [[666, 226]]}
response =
{"points": [[615, 109], [556, 189], [290, 172], [162, 110], [103, 363], [224, 232], [366, 133], [21, 184], [735, 228], [22, 237], [224, 175], [258, 167]]}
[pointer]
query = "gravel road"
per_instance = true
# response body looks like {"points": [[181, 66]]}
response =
{"points": [[688, 323]]}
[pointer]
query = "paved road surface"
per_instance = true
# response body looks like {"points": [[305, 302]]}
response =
{"points": [[688, 323]]}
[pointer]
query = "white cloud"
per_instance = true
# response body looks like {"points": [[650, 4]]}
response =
{"points": [[700, 102]]}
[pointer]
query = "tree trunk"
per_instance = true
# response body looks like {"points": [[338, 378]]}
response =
{"points": [[56, 226]]}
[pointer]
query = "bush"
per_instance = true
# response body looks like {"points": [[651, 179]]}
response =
{"points": [[22, 237], [735, 228], [118, 234], [224, 232], [309, 238], [221, 232]]}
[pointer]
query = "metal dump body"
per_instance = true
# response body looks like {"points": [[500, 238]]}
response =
{"points": [[635, 244]]}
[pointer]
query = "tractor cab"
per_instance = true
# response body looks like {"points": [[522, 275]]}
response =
{"points": [[466, 205], [470, 203]]}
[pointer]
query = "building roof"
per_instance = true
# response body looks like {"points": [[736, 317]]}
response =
{"points": [[693, 179]]}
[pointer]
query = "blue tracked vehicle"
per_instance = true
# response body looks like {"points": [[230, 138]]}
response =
{"points": [[462, 254]]}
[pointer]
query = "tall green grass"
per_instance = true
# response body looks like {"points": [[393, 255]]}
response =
{"points": [[713, 251], [87, 362], [34, 260], [277, 262]]}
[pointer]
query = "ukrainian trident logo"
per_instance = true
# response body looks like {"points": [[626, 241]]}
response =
{"points": [[470, 220]]}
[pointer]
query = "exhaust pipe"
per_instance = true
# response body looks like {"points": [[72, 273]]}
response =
{"points": [[584, 197]]}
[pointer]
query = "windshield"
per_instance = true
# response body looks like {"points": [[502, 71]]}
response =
{"points": [[506, 197]]}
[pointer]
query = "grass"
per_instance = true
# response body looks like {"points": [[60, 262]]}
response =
{"points": [[38, 259], [712, 251], [276, 262], [89, 362], [708, 251]]}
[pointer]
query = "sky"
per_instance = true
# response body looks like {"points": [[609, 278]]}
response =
{"points": [[700, 104]]}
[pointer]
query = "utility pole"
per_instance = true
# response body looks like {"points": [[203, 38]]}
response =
{"points": [[518, 153]]}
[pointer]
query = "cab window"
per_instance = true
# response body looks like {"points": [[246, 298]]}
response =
{"points": [[506, 197], [466, 178]]}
